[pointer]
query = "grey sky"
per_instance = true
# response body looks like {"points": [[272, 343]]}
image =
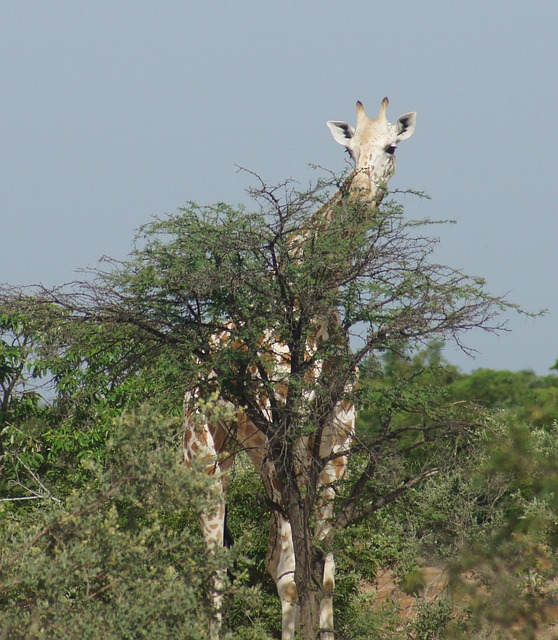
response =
{"points": [[115, 111]]}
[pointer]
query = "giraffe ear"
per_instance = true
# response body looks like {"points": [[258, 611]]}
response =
{"points": [[341, 131], [406, 126]]}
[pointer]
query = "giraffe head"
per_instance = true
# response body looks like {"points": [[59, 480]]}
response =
{"points": [[372, 145]]}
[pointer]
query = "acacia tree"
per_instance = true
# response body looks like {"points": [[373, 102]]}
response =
{"points": [[272, 277]]}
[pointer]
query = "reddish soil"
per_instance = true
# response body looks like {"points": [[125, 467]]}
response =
{"points": [[435, 581]]}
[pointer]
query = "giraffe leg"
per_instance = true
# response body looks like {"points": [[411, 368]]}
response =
{"points": [[213, 528], [281, 566], [200, 443], [326, 605], [324, 513], [335, 440], [286, 589]]}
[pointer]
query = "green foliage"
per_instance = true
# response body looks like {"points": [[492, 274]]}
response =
{"points": [[362, 552], [432, 620], [507, 579], [492, 513], [531, 398], [62, 384], [121, 558], [361, 619], [253, 615], [110, 547]]}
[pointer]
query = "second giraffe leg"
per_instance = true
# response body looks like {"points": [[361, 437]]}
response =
{"points": [[326, 605], [213, 527]]}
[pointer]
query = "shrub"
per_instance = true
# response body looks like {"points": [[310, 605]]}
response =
{"points": [[120, 558]]}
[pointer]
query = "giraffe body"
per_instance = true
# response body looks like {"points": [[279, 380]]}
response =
{"points": [[215, 438]]}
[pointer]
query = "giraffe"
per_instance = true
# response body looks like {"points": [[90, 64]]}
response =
{"points": [[215, 437]]}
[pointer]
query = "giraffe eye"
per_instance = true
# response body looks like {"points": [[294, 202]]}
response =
{"points": [[391, 149]]}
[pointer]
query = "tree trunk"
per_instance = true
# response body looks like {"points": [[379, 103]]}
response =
{"points": [[308, 572], [309, 599]]}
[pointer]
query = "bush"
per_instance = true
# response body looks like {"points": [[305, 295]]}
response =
{"points": [[120, 558]]}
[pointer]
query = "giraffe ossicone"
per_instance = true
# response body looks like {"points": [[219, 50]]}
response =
{"points": [[371, 144]]}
